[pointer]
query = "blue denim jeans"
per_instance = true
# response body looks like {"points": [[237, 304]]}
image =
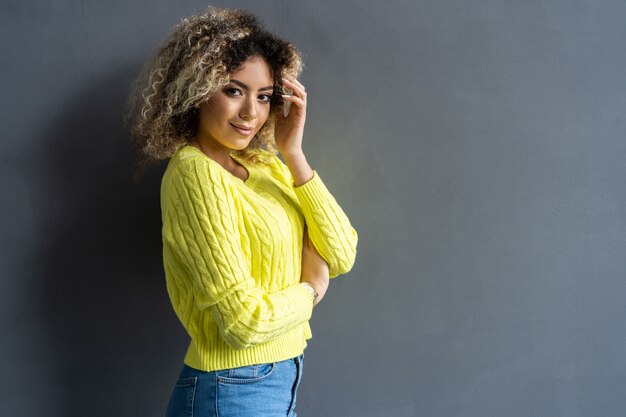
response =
{"points": [[264, 390]]}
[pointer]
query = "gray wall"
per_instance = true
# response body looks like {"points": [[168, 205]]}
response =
{"points": [[477, 146]]}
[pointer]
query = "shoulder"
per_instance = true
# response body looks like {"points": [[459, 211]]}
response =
{"points": [[190, 161], [185, 158], [191, 169]]}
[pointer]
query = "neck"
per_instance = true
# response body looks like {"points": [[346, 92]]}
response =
{"points": [[221, 155]]}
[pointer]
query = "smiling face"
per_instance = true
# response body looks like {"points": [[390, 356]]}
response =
{"points": [[233, 115]]}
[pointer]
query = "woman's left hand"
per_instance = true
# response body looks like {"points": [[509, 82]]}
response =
{"points": [[289, 130]]}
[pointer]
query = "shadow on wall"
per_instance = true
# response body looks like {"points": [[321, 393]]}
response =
{"points": [[116, 343]]}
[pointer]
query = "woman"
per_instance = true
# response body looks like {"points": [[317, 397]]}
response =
{"points": [[249, 242]]}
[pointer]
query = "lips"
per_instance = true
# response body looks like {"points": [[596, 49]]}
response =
{"points": [[242, 129]]}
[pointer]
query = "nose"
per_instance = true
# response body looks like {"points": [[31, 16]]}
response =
{"points": [[248, 109]]}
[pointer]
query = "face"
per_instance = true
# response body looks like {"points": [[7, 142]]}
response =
{"points": [[233, 115]]}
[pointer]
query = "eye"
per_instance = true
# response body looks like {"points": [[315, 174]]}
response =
{"points": [[265, 98], [232, 91]]}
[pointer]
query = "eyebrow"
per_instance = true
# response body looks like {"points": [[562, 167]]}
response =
{"points": [[245, 86]]}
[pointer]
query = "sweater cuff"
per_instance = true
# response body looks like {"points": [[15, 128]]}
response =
{"points": [[298, 295], [313, 193]]}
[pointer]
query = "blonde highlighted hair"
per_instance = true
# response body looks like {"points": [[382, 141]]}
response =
{"points": [[196, 61]]}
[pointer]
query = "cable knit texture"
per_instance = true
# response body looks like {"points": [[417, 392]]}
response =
{"points": [[232, 253]]}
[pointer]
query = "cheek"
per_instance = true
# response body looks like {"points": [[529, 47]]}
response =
{"points": [[216, 105], [264, 112], [212, 115], [206, 121], [224, 108]]}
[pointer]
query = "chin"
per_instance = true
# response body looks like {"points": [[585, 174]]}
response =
{"points": [[239, 145]]}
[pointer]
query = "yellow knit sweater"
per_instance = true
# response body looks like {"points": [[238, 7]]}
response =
{"points": [[232, 253]]}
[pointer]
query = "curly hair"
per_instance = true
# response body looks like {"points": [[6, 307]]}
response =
{"points": [[193, 64]]}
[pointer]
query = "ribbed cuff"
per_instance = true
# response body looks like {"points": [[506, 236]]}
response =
{"points": [[301, 296], [313, 194]]}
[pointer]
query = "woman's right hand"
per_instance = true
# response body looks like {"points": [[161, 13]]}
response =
{"points": [[314, 268]]}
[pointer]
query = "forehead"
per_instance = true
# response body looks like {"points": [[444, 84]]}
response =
{"points": [[255, 72]]}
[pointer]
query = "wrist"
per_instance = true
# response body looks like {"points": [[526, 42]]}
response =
{"points": [[293, 156], [299, 168], [312, 291]]}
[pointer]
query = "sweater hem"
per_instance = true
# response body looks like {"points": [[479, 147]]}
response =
{"points": [[221, 356]]}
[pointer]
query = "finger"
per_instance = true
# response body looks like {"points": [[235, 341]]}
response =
{"points": [[301, 103], [298, 83], [293, 81], [295, 85]]}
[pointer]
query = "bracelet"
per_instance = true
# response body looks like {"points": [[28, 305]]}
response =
{"points": [[314, 293]]}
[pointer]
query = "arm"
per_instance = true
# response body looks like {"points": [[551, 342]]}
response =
{"points": [[314, 268], [329, 228], [205, 238]]}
